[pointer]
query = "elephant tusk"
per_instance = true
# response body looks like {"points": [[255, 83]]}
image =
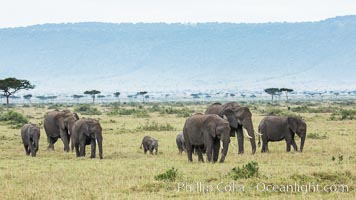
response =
{"points": [[247, 135], [258, 133]]}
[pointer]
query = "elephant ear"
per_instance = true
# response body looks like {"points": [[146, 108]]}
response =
{"points": [[242, 113], [209, 126], [85, 129], [76, 116], [59, 121], [230, 115], [293, 124]]}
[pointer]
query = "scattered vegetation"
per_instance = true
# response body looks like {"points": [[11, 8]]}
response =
{"points": [[343, 115], [140, 113], [86, 109], [14, 118], [169, 175], [154, 126], [317, 136], [246, 171]]}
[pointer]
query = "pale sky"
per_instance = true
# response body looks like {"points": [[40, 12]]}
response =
{"points": [[14, 13]]}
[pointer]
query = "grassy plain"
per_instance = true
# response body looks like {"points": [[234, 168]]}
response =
{"points": [[329, 158]]}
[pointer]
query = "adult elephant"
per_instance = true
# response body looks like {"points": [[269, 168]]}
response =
{"points": [[207, 131], [276, 128], [87, 132], [58, 124], [239, 117]]}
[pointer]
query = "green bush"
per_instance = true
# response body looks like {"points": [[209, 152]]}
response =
{"points": [[246, 171], [14, 118], [317, 136], [169, 175], [86, 109], [140, 113], [343, 115], [154, 126]]}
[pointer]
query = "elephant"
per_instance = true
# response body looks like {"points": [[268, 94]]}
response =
{"points": [[87, 132], [239, 117], [30, 134], [206, 131], [58, 124], [149, 144], [277, 128], [180, 143]]}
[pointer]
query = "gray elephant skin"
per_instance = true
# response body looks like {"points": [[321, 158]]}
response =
{"points": [[276, 128], [239, 117], [180, 143], [149, 144], [30, 134], [58, 124], [87, 132], [206, 130]]}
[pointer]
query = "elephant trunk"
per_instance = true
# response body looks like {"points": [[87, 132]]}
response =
{"points": [[100, 144], [224, 151], [302, 139], [249, 127]]}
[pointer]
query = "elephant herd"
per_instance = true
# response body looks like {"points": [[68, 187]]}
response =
{"points": [[222, 121], [202, 133], [68, 127]]}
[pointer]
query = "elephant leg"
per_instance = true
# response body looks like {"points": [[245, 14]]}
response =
{"points": [[264, 145], [200, 154], [209, 149], [51, 142], [216, 150], [240, 139], [65, 140], [93, 148], [32, 149], [77, 149], [82, 149], [190, 152], [156, 150], [27, 150], [294, 145]]}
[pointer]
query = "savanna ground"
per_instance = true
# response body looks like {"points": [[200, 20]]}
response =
{"points": [[125, 172]]}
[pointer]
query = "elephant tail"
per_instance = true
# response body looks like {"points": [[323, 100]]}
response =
{"points": [[141, 146]]}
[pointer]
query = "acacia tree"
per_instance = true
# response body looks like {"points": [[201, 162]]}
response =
{"points": [[77, 97], [272, 92], [28, 97], [10, 86], [143, 95], [117, 94], [286, 91], [92, 93]]}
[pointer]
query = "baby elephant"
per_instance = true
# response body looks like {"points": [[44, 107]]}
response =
{"points": [[149, 144], [180, 143], [30, 134]]}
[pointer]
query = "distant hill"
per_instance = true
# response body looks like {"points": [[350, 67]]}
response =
{"points": [[175, 57]]}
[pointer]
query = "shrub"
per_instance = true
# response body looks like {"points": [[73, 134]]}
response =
{"points": [[343, 115], [169, 175], [317, 136], [55, 106], [154, 126], [14, 118], [86, 109], [246, 171], [140, 113]]}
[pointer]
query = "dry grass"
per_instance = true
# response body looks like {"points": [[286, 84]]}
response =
{"points": [[125, 172]]}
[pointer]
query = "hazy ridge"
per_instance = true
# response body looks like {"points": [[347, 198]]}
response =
{"points": [[176, 57]]}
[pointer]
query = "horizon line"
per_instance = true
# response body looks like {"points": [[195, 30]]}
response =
{"points": [[181, 22]]}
